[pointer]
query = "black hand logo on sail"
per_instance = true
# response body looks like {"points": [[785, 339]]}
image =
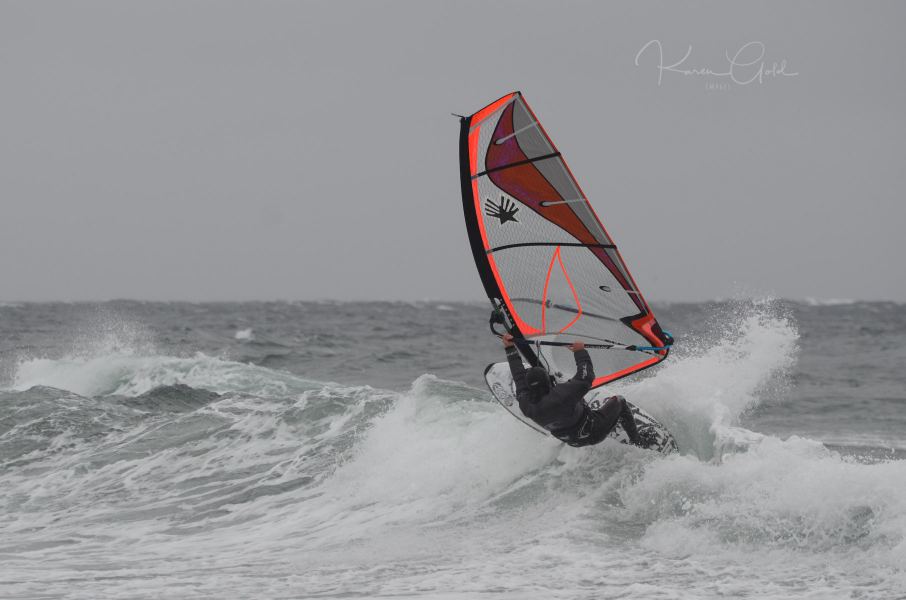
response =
{"points": [[505, 211]]}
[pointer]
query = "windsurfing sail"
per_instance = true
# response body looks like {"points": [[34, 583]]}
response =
{"points": [[544, 257]]}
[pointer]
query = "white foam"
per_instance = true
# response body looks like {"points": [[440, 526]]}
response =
{"points": [[438, 492], [777, 501], [113, 355], [828, 301], [424, 459], [127, 375]]}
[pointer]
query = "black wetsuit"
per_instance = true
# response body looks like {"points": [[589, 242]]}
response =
{"points": [[562, 411]]}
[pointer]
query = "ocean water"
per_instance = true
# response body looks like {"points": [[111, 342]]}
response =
{"points": [[337, 450]]}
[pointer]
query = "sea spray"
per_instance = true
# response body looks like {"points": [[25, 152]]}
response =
{"points": [[701, 393]]}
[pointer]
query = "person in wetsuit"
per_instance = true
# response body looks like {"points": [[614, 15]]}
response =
{"points": [[561, 409]]}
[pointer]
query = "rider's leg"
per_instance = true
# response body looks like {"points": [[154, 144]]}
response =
{"points": [[615, 409]]}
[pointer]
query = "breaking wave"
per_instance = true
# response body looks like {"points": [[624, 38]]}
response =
{"points": [[124, 460]]}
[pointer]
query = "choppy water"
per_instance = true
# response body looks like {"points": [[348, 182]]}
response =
{"points": [[273, 450]]}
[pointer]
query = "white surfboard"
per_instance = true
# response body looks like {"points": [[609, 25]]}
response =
{"points": [[500, 382]]}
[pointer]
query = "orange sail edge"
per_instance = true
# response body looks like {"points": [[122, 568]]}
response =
{"points": [[599, 381], [491, 108]]}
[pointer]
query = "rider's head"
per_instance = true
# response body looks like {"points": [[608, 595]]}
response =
{"points": [[538, 381]]}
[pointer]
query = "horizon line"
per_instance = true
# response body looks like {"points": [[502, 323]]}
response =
{"points": [[802, 300]]}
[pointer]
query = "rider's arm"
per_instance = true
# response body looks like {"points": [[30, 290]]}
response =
{"points": [[585, 371], [516, 366], [517, 369], [574, 389], [523, 395]]}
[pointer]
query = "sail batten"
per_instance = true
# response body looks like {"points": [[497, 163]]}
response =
{"points": [[542, 252]]}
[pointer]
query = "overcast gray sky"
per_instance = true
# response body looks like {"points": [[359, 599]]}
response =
{"points": [[303, 150]]}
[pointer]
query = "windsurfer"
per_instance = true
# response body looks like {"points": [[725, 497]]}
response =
{"points": [[561, 409]]}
